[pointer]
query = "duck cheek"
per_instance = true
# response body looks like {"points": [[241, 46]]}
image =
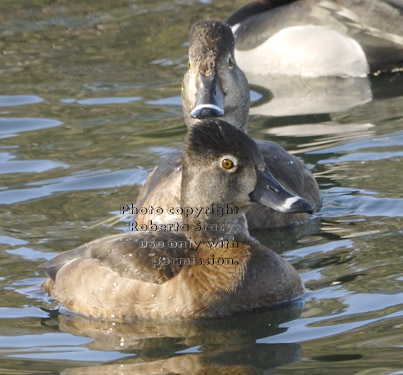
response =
{"points": [[236, 88], [189, 93], [189, 89], [228, 82], [247, 181]]}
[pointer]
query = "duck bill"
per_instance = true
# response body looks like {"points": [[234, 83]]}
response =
{"points": [[272, 194], [210, 97]]}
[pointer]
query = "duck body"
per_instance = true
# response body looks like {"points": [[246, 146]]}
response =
{"points": [[212, 268], [211, 54], [114, 278], [312, 38]]}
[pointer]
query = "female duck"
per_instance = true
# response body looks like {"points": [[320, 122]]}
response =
{"points": [[213, 86], [196, 274], [313, 38]]}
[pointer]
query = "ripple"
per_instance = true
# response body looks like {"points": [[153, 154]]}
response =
{"points": [[103, 101], [349, 202], [363, 156], [17, 313], [26, 166], [104, 179], [356, 313], [392, 139], [173, 100], [14, 100], [56, 339], [13, 126], [70, 354], [29, 254], [11, 241], [325, 128]]}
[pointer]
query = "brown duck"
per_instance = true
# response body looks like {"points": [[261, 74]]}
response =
{"points": [[213, 268]]}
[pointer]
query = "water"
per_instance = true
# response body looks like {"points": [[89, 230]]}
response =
{"points": [[89, 103]]}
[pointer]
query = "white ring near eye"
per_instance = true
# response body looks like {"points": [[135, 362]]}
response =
{"points": [[228, 163]]}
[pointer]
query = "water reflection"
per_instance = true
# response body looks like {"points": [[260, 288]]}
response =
{"points": [[299, 96], [328, 132], [178, 346]]}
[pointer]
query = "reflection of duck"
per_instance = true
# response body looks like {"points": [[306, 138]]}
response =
{"points": [[228, 344], [226, 271], [319, 38], [293, 95], [215, 86], [262, 360]]}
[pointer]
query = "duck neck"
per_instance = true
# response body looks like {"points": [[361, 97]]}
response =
{"points": [[216, 223]]}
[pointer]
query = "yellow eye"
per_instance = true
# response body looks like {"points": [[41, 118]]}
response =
{"points": [[227, 164], [189, 65], [230, 62]]}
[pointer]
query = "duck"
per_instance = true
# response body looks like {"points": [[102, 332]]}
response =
{"points": [[215, 87], [310, 38], [211, 267]]}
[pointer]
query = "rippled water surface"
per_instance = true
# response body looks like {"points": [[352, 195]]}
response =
{"points": [[90, 102]]}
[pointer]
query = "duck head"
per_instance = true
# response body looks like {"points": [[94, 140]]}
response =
{"points": [[214, 85], [223, 166]]}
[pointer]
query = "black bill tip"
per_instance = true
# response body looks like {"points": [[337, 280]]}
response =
{"points": [[297, 204]]}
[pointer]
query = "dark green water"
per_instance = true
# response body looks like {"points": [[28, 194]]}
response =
{"points": [[89, 103]]}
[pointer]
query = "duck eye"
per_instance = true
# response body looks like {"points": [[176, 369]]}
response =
{"points": [[230, 61], [227, 163]]}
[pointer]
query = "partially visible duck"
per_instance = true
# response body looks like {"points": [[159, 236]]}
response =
{"points": [[214, 86], [184, 276], [313, 38]]}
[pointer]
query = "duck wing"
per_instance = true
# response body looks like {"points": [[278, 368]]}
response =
{"points": [[144, 256]]}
